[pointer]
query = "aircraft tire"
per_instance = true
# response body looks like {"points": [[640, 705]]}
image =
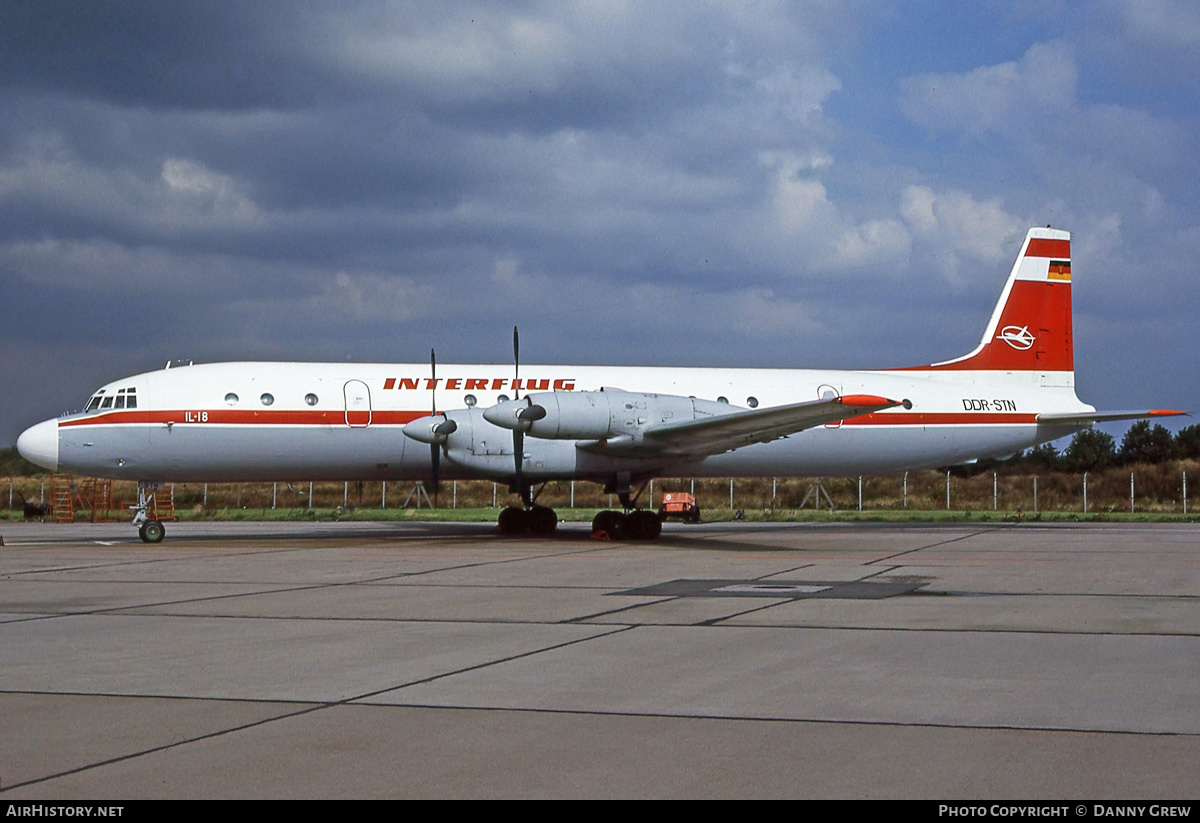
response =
{"points": [[610, 522], [513, 521], [644, 524], [543, 520], [152, 531]]}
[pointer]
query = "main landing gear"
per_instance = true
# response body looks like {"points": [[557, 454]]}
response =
{"points": [[631, 524], [639, 524], [539, 520]]}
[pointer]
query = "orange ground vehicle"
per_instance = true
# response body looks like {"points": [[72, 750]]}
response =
{"points": [[681, 505]]}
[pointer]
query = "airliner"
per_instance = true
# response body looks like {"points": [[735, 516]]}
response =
{"points": [[617, 426]]}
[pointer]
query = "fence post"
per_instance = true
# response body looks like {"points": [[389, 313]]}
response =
{"points": [[239, 495], [1035, 494], [906, 490], [345, 493], [383, 495], [731, 494], [1185, 492], [773, 479], [274, 492], [1085, 492], [310, 494], [454, 494], [994, 497], [947, 490], [1131, 492], [860, 492], [42, 500], [572, 494]]}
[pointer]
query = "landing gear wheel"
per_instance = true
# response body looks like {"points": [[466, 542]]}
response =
{"points": [[513, 521], [543, 520], [152, 532], [643, 524], [611, 523]]}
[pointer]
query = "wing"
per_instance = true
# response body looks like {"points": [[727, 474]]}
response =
{"points": [[1088, 418], [726, 432]]}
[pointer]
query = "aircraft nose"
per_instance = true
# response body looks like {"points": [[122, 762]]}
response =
{"points": [[39, 444]]}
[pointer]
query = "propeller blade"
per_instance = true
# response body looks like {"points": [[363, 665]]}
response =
{"points": [[435, 448], [518, 453], [433, 383], [516, 364]]}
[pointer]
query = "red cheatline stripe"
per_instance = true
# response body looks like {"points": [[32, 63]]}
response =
{"points": [[380, 417], [1045, 247], [247, 417], [938, 418]]}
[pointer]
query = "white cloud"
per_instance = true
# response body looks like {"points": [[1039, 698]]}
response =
{"points": [[184, 196], [1157, 23], [955, 228], [206, 195], [1005, 98]]}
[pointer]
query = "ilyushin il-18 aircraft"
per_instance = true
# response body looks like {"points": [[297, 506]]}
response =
{"points": [[258, 421]]}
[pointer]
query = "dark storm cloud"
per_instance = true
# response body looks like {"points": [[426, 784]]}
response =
{"points": [[162, 55]]}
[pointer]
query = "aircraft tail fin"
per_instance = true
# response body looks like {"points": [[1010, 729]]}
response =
{"points": [[1030, 328]]}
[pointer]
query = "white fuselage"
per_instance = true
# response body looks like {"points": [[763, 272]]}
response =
{"points": [[335, 421]]}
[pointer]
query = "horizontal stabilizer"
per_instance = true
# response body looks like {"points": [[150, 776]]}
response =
{"points": [[1088, 418]]}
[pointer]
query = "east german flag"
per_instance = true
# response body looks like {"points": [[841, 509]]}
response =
{"points": [[1060, 270]]}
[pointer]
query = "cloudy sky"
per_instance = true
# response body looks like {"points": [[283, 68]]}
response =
{"points": [[810, 184]]}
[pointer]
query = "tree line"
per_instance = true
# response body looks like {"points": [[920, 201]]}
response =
{"points": [[1092, 450]]}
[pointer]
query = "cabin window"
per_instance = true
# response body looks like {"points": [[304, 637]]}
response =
{"points": [[470, 400], [267, 398], [231, 399], [722, 399], [752, 402], [310, 399], [502, 398]]}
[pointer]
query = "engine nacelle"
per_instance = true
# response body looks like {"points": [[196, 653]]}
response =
{"points": [[596, 415]]}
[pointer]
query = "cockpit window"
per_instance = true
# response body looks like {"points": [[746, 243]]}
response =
{"points": [[125, 398]]}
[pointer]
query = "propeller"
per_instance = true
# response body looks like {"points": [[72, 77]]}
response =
{"points": [[518, 432], [440, 430]]}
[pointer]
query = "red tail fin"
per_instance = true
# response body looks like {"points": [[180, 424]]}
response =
{"points": [[1030, 329]]}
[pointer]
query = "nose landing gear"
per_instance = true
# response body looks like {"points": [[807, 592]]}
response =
{"points": [[150, 531]]}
